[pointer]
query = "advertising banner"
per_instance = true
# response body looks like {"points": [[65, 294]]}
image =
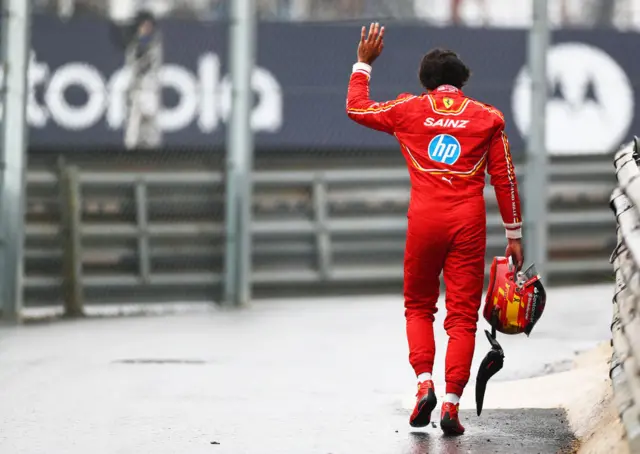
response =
{"points": [[78, 83]]}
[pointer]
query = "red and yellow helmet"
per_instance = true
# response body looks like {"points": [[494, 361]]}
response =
{"points": [[514, 301]]}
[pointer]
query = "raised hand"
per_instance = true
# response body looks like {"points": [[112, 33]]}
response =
{"points": [[371, 46]]}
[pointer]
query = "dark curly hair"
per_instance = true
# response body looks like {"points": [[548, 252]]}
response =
{"points": [[443, 67]]}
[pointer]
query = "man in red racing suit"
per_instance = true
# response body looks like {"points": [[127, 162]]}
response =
{"points": [[448, 140]]}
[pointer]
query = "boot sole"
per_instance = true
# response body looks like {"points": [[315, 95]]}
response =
{"points": [[425, 408], [449, 426]]}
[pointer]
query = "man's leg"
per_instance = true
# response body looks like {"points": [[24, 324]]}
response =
{"points": [[424, 257], [464, 279]]}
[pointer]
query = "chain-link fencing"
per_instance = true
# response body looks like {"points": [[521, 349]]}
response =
{"points": [[127, 153], [116, 210]]}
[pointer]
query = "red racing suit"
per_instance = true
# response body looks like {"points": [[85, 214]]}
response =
{"points": [[448, 141]]}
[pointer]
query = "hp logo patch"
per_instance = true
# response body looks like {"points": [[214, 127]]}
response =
{"points": [[445, 149]]}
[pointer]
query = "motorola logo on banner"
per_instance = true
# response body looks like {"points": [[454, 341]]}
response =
{"points": [[591, 101], [204, 97]]}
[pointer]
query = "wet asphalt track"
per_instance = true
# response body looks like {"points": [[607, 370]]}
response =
{"points": [[303, 377], [499, 432]]}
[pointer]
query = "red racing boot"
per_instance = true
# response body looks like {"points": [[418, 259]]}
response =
{"points": [[427, 401], [449, 420]]}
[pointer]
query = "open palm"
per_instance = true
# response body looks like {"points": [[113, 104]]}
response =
{"points": [[371, 45]]}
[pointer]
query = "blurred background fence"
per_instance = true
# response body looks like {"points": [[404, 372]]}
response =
{"points": [[128, 115], [625, 364], [158, 235]]}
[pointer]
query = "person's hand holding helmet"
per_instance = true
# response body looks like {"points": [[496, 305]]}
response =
{"points": [[515, 252]]}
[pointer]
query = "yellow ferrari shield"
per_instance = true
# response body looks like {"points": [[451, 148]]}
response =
{"points": [[448, 102]]}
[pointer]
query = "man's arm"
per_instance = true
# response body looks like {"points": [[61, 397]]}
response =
{"points": [[360, 108], [365, 111], [503, 179]]}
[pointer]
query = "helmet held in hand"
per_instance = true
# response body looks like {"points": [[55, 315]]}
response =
{"points": [[515, 300]]}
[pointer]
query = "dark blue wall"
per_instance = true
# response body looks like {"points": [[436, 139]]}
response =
{"points": [[309, 66]]}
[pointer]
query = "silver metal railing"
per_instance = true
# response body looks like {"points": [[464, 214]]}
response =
{"points": [[98, 236], [625, 327]]}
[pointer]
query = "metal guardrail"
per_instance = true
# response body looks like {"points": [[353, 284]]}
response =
{"points": [[158, 235], [625, 327]]}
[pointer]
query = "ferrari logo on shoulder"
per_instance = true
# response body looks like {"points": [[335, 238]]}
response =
{"points": [[448, 102]]}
